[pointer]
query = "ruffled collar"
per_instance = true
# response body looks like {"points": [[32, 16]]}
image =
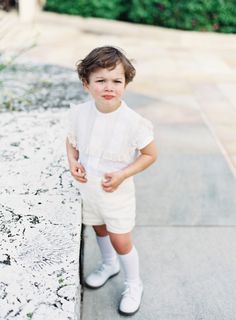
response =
{"points": [[107, 114]]}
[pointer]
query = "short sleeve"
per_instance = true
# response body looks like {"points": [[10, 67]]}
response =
{"points": [[144, 134], [71, 126]]}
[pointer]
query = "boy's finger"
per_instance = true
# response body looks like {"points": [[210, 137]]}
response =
{"points": [[108, 189], [81, 173], [106, 178], [83, 169], [107, 184], [78, 177]]}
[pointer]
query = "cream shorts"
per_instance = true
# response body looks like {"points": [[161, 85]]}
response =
{"points": [[114, 209]]}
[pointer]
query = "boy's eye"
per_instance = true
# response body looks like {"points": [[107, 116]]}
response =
{"points": [[103, 80]]}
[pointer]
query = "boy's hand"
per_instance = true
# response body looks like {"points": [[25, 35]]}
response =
{"points": [[78, 172], [111, 181]]}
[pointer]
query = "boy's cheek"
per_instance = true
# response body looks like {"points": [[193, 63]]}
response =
{"points": [[95, 87]]}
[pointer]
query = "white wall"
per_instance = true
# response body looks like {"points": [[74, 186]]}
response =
{"points": [[28, 9]]}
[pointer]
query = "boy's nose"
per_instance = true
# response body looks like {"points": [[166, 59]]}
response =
{"points": [[109, 87]]}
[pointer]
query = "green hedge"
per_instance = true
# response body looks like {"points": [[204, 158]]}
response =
{"points": [[88, 8], [201, 15]]}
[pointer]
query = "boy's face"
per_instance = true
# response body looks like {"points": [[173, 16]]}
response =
{"points": [[107, 87]]}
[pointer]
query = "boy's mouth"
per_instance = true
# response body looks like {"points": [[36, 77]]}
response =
{"points": [[108, 97]]}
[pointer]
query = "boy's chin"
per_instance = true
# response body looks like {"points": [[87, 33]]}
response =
{"points": [[113, 100]]}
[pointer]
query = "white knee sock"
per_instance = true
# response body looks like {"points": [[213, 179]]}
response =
{"points": [[130, 263], [108, 253]]}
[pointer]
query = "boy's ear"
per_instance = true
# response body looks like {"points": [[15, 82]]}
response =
{"points": [[85, 85]]}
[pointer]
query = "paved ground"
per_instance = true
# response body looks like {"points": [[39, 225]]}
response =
{"points": [[185, 232], [186, 202]]}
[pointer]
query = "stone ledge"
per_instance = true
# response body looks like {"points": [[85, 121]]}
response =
{"points": [[40, 257], [40, 219]]}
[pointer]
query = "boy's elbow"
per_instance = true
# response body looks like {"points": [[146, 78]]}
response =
{"points": [[154, 152], [151, 152], [154, 157]]}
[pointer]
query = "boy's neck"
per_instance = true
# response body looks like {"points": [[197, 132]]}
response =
{"points": [[107, 109]]}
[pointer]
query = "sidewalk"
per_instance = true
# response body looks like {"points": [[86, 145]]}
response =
{"points": [[185, 231], [186, 202]]}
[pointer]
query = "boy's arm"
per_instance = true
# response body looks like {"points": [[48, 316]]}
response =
{"points": [[76, 168], [146, 158], [72, 153]]}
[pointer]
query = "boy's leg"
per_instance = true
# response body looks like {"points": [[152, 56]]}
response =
{"points": [[110, 264], [108, 253], [101, 230], [131, 297]]}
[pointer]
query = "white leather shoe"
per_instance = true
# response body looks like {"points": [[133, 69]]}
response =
{"points": [[131, 299], [100, 276]]}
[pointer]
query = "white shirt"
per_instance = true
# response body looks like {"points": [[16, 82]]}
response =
{"points": [[107, 142]]}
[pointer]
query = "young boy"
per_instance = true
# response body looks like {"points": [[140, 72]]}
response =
{"points": [[107, 145]]}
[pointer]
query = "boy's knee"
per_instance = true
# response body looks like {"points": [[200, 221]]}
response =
{"points": [[101, 230], [122, 246]]}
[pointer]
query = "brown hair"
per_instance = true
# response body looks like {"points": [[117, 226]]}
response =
{"points": [[104, 57]]}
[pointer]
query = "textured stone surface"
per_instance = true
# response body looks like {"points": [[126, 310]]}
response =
{"points": [[43, 87], [33, 158], [40, 219]]}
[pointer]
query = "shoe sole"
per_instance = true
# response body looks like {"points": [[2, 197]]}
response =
{"points": [[91, 287], [128, 314]]}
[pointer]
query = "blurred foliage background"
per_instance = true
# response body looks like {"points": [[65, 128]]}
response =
{"points": [[200, 15]]}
